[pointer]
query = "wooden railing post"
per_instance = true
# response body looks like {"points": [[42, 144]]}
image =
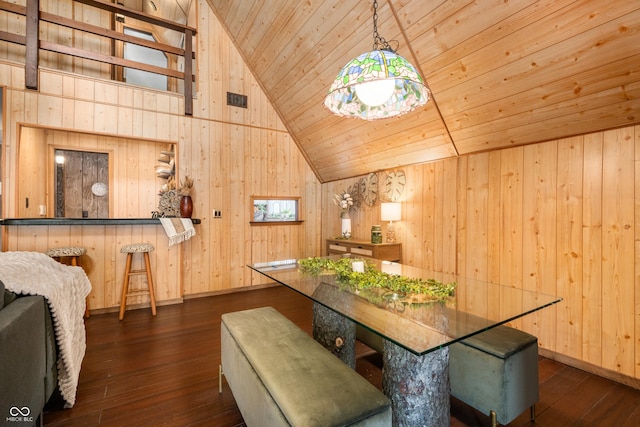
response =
{"points": [[31, 44], [188, 72]]}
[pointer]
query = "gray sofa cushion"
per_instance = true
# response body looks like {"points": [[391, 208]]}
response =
{"points": [[7, 296], [22, 356]]}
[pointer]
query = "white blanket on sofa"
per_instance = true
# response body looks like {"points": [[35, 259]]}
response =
{"points": [[65, 288]]}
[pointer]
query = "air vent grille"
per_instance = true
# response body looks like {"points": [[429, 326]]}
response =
{"points": [[236, 100]]}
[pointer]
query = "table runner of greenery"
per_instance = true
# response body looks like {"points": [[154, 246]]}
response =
{"points": [[372, 278]]}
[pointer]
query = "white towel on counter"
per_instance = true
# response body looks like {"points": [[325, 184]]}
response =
{"points": [[178, 229]]}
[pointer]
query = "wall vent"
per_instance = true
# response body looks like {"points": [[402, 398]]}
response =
{"points": [[236, 100]]}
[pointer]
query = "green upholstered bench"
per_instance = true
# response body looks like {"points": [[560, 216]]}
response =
{"points": [[280, 376], [496, 372]]}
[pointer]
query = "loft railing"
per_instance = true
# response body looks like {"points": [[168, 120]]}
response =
{"points": [[33, 45]]}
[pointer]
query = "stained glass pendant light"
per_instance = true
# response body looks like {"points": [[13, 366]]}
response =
{"points": [[377, 84]]}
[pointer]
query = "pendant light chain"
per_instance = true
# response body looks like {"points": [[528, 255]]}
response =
{"points": [[379, 42]]}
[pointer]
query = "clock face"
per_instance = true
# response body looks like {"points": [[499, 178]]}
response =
{"points": [[369, 188], [99, 189], [393, 185]]}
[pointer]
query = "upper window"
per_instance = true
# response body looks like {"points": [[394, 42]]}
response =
{"points": [[145, 55]]}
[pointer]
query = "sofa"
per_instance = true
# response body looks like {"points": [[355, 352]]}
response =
{"points": [[28, 373]]}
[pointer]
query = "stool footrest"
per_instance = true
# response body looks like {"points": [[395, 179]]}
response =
{"points": [[135, 292], [135, 272]]}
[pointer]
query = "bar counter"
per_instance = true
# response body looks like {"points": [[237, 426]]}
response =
{"points": [[103, 263], [83, 221]]}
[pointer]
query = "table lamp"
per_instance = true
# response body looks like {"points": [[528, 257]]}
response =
{"points": [[390, 212]]}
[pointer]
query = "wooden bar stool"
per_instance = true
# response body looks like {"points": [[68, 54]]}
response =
{"points": [[73, 253], [143, 248]]}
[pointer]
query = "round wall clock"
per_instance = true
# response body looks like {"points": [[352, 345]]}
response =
{"points": [[369, 188], [99, 189], [393, 185]]}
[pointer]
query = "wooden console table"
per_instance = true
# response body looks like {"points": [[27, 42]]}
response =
{"points": [[381, 251]]}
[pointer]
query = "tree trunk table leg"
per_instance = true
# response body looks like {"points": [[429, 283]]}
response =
{"points": [[418, 386], [336, 333]]}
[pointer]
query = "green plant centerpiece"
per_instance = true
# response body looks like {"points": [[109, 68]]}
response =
{"points": [[378, 285]]}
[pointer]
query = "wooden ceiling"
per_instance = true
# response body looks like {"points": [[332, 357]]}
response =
{"points": [[502, 73]]}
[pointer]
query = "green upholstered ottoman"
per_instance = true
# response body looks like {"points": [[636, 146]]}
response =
{"points": [[280, 376], [496, 372]]}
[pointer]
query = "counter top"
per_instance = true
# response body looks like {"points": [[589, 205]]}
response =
{"points": [[83, 221]]}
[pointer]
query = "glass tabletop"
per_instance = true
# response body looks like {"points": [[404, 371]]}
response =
{"points": [[408, 321]]}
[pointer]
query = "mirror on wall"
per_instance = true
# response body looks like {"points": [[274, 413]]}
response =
{"points": [[64, 174]]}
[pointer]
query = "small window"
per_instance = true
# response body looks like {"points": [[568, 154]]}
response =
{"points": [[269, 210]]}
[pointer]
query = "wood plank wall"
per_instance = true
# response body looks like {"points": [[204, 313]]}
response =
{"points": [[561, 217], [232, 154], [132, 195]]}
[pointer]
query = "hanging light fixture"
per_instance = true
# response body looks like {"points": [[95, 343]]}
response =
{"points": [[377, 84]]}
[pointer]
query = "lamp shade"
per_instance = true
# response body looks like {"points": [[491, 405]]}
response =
{"points": [[390, 211], [376, 85]]}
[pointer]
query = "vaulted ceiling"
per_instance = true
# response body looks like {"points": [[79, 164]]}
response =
{"points": [[502, 73]]}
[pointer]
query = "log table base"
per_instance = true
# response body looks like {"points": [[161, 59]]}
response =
{"points": [[418, 386], [336, 333]]}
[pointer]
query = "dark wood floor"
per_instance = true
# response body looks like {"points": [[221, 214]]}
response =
{"points": [[163, 371]]}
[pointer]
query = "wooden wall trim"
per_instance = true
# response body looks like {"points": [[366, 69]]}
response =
{"points": [[588, 367]]}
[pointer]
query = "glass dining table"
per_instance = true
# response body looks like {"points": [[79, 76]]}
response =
{"points": [[415, 332]]}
